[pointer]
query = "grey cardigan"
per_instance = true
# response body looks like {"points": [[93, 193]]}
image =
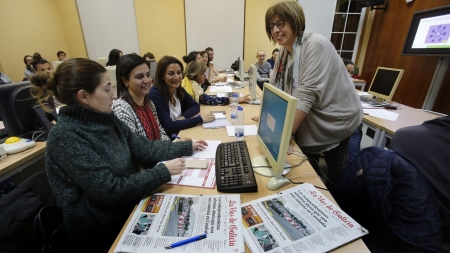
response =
{"points": [[325, 93]]}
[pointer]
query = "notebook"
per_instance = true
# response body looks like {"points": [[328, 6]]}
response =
{"points": [[221, 121]]}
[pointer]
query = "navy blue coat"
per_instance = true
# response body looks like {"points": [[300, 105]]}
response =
{"points": [[383, 185]]}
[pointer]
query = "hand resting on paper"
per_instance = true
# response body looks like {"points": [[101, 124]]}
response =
{"points": [[208, 117], [175, 166], [199, 145], [255, 118]]}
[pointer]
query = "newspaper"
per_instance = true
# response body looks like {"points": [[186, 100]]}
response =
{"points": [[300, 219], [163, 219]]}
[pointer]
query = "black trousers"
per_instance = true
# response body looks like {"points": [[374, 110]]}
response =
{"points": [[335, 159]]}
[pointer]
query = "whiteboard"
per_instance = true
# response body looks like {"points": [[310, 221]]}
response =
{"points": [[107, 25], [218, 24]]}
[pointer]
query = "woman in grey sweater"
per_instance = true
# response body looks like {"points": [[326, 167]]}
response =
{"points": [[93, 159], [309, 68]]}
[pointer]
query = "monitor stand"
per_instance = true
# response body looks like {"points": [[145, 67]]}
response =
{"points": [[255, 102], [262, 167]]}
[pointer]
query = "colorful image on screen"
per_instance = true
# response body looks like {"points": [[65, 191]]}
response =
{"points": [[273, 113]]}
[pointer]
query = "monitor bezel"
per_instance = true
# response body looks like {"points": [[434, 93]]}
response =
{"points": [[241, 68], [415, 21], [252, 81], [394, 88], [278, 165]]}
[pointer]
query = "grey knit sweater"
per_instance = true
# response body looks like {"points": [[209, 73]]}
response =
{"points": [[92, 162]]}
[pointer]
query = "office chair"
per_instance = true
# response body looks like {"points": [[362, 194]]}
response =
{"points": [[49, 232]]}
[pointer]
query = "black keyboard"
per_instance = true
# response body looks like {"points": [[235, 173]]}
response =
{"points": [[370, 101], [3, 133], [234, 85], [234, 171]]}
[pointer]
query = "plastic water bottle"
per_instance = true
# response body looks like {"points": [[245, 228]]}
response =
{"points": [[234, 107], [239, 125]]}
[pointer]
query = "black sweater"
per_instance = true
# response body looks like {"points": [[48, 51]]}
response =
{"points": [[93, 162]]}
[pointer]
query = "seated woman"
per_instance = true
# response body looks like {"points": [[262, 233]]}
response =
{"points": [[93, 159], [29, 71], [114, 57], [194, 76], [41, 65], [133, 106], [176, 109], [192, 56]]}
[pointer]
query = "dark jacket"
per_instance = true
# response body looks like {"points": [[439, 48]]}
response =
{"points": [[382, 186], [189, 108], [19, 207]]}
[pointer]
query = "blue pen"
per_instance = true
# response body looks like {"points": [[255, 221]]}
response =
{"points": [[180, 243], [175, 136]]}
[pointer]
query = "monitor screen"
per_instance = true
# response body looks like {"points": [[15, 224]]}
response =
{"points": [[20, 113], [429, 33], [276, 120], [385, 82]]}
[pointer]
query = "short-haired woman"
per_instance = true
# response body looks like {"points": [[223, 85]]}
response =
{"points": [[176, 109], [308, 67], [133, 106], [93, 159]]}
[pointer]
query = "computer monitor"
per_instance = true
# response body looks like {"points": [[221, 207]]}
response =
{"points": [[241, 69], [385, 82], [112, 76], [253, 75], [22, 115], [276, 120], [56, 64], [102, 61]]}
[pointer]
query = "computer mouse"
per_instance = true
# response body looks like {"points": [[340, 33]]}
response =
{"points": [[12, 139], [277, 182]]}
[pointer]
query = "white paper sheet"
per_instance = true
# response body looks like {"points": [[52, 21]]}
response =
{"points": [[381, 113], [362, 93], [209, 151], [220, 89], [249, 130]]}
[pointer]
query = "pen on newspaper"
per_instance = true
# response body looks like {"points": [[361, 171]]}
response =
{"points": [[175, 136], [180, 243]]}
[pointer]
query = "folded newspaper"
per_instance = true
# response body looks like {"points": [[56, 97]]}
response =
{"points": [[300, 219], [163, 219]]}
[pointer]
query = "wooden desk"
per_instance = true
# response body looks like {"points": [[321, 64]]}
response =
{"points": [[254, 150], [15, 163], [359, 84], [408, 116]]}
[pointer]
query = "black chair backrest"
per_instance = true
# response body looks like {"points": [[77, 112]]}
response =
{"points": [[49, 232]]}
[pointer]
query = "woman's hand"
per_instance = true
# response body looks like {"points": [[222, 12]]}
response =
{"points": [[208, 117], [255, 118], [182, 139], [199, 145], [245, 99], [180, 118], [222, 78], [175, 166]]}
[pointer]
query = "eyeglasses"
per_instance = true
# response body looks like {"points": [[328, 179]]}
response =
{"points": [[280, 24]]}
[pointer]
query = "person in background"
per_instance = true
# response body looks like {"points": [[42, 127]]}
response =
{"points": [[263, 68], [61, 56], [29, 71], [328, 108], [133, 106], [193, 79], [210, 64], [176, 109], [149, 56], [350, 66], [4, 79], [94, 160], [209, 71], [192, 56], [41, 65], [275, 53], [114, 57]]}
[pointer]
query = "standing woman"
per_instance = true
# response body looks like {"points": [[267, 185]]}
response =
{"points": [[114, 57], [93, 159], [133, 106], [328, 108], [176, 109]]}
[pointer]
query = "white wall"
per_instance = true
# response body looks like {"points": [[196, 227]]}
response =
{"points": [[319, 15], [222, 28], [108, 24]]}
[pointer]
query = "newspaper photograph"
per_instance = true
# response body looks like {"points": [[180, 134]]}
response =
{"points": [[163, 219], [300, 219]]}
